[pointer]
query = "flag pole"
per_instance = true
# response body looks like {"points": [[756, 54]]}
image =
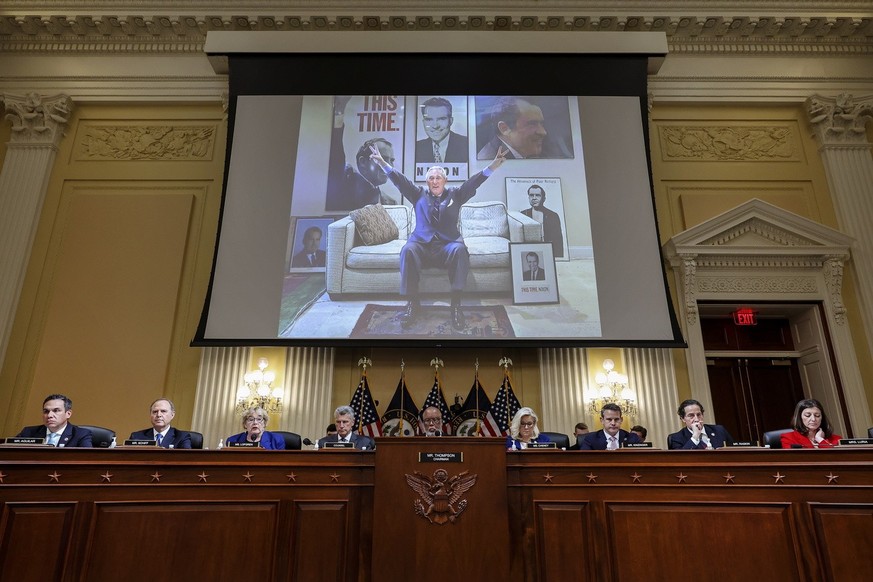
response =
{"points": [[476, 377], [402, 392], [436, 363], [363, 362]]}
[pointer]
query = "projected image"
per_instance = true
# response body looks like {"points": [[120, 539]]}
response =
{"points": [[529, 127], [421, 240]]}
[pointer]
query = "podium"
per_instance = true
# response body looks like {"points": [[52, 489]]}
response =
{"points": [[467, 539]]}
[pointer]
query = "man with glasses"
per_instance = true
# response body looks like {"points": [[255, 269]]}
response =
{"points": [[344, 419], [611, 436], [697, 435], [162, 412], [55, 428], [432, 420]]}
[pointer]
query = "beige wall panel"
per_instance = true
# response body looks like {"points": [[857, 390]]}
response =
{"points": [[115, 270], [696, 202]]}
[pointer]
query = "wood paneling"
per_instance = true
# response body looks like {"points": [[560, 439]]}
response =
{"points": [[321, 529], [845, 534], [562, 540], [34, 529]]}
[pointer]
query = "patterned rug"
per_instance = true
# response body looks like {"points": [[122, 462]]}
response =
{"points": [[379, 321]]}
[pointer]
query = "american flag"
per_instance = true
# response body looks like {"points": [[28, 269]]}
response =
{"points": [[502, 410], [473, 415], [435, 398], [367, 420]]}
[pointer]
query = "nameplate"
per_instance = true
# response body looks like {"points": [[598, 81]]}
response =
{"points": [[440, 457], [743, 444], [140, 443], [243, 445], [338, 445], [24, 441], [638, 445], [856, 442], [542, 445]]}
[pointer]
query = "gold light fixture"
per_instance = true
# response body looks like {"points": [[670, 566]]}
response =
{"points": [[612, 387], [258, 391]]}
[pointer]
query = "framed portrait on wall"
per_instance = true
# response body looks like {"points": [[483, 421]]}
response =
{"points": [[307, 243], [534, 279]]}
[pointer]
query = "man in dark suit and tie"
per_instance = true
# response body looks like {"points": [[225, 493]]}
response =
{"points": [[436, 240], [536, 196], [344, 418], [162, 412], [56, 430], [611, 436], [533, 271], [311, 255], [442, 144], [697, 435]]}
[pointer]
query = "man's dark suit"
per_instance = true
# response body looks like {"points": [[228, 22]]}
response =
{"points": [[456, 150], [551, 229], [538, 275], [347, 189], [73, 436], [301, 259], [718, 436], [435, 242], [596, 441], [361, 441], [178, 438]]}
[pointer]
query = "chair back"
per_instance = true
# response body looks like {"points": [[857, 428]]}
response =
{"points": [[870, 432], [196, 439], [292, 439], [101, 437], [773, 438], [562, 440]]}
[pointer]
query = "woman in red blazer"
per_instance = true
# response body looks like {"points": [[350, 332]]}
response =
{"points": [[812, 429]]}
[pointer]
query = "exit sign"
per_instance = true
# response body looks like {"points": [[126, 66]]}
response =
{"points": [[745, 316]]}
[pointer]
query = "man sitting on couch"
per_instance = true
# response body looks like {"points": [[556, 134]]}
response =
{"points": [[436, 240]]}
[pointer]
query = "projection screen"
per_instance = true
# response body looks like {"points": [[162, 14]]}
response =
{"points": [[560, 240]]}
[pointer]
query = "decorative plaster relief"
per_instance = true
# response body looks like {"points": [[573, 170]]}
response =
{"points": [[768, 284], [151, 142], [840, 120], [735, 143], [36, 119], [833, 275], [761, 229]]}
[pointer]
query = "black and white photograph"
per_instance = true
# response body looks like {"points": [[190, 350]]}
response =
{"points": [[533, 273], [542, 200]]}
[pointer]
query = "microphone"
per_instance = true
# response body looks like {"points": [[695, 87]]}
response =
{"points": [[307, 442], [438, 433], [796, 446]]}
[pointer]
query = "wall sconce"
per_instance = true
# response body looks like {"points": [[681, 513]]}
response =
{"points": [[611, 387], [258, 391]]}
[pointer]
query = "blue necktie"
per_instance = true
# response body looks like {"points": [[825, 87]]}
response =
{"points": [[159, 437]]}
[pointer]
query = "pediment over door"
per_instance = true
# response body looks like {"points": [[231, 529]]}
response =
{"points": [[758, 251]]}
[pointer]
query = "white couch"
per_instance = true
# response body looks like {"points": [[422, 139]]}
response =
{"points": [[487, 228]]}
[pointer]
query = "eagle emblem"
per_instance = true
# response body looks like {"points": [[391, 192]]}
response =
{"points": [[440, 499]]}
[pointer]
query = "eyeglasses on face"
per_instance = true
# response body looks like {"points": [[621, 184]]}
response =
{"points": [[527, 424], [433, 420], [254, 419]]}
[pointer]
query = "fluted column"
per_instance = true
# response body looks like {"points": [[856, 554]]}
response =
{"points": [[38, 125], [308, 391], [652, 376], [840, 126], [564, 380], [221, 374]]}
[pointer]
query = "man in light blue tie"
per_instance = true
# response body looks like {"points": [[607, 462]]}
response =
{"points": [[162, 411], [56, 428]]}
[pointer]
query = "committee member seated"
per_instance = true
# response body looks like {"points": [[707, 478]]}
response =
{"points": [[162, 412], [812, 429], [56, 428], [255, 421], [581, 429], [611, 436], [640, 431], [432, 422], [344, 418], [696, 434], [523, 430]]}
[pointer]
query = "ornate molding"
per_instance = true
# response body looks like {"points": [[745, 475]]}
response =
{"points": [[768, 284], [728, 143], [152, 142], [762, 229], [840, 120], [688, 268], [173, 32], [833, 276], [37, 120]]}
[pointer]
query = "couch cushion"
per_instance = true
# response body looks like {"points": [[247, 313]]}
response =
{"points": [[488, 252], [373, 225], [484, 219], [383, 256]]}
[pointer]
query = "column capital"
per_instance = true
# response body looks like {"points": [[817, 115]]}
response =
{"points": [[37, 120], [840, 120]]}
